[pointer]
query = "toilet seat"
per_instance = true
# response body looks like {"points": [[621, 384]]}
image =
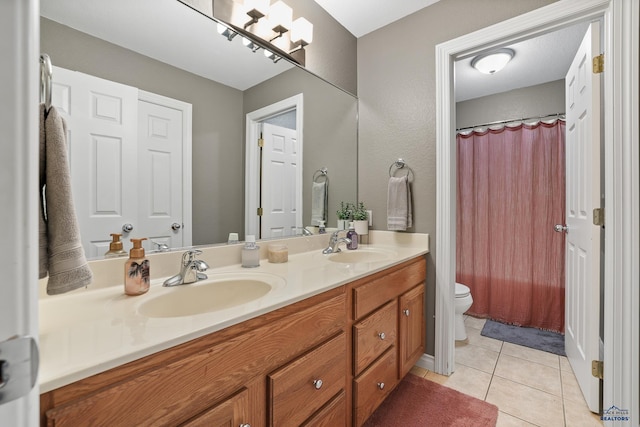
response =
{"points": [[462, 290]]}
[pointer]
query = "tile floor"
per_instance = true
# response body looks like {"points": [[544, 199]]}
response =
{"points": [[529, 387]]}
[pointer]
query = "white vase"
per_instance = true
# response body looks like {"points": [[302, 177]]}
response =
{"points": [[342, 224], [361, 227]]}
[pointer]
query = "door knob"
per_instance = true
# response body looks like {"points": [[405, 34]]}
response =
{"points": [[127, 228], [560, 228], [175, 226]]}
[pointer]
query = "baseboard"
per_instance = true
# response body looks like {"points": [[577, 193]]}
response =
{"points": [[426, 361]]}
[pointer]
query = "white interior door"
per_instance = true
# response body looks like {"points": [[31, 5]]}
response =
{"points": [[582, 314], [102, 122], [160, 174], [280, 191]]}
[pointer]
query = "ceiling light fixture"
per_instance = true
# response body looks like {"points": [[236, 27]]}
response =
{"points": [[494, 61]]}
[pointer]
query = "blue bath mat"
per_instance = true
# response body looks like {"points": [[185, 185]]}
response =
{"points": [[551, 342]]}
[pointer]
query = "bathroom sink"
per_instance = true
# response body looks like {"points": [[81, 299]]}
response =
{"points": [[359, 256], [213, 294]]}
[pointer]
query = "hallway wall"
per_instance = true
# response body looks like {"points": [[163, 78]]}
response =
{"points": [[397, 94]]}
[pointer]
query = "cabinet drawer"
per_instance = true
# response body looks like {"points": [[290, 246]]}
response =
{"points": [[232, 412], [373, 335], [373, 386], [333, 414], [373, 294], [304, 385]]}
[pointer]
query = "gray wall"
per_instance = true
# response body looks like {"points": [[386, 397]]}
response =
{"points": [[218, 123], [397, 103], [547, 98]]}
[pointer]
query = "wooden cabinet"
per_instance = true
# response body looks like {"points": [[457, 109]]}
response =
{"points": [[326, 361], [388, 333]]}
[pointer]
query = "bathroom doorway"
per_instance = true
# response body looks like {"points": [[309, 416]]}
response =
{"points": [[273, 169]]}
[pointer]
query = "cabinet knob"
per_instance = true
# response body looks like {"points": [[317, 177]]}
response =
{"points": [[245, 425], [406, 312], [317, 384], [381, 386], [382, 335]]}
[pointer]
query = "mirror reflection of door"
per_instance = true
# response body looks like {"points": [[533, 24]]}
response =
{"points": [[279, 189]]}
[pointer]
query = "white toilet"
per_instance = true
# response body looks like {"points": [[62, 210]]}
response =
{"points": [[463, 302]]}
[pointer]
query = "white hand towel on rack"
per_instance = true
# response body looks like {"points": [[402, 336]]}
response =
{"points": [[399, 216], [318, 202]]}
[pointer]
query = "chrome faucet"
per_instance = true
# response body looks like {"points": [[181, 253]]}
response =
{"points": [[334, 241], [191, 270], [305, 231]]}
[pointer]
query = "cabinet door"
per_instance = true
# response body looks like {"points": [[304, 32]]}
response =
{"points": [[411, 329], [374, 385], [233, 412]]}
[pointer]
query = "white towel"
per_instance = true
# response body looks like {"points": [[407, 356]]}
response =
{"points": [[318, 202], [61, 252], [399, 216]]}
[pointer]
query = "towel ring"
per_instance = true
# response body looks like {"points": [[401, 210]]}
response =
{"points": [[321, 173], [400, 164]]}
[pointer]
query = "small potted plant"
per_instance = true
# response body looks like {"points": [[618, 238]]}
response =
{"points": [[344, 215], [360, 220]]}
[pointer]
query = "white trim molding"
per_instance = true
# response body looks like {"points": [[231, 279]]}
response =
{"points": [[252, 181], [622, 184]]}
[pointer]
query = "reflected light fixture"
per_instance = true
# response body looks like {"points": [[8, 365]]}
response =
{"points": [[492, 62], [250, 44], [256, 9], [272, 56], [225, 31]]}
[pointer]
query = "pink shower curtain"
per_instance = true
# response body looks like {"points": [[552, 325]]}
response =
{"points": [[511, 192]]}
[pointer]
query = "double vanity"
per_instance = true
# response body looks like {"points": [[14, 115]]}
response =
{"points": [[320, 340]]}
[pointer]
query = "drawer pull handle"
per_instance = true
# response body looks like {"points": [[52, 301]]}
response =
{"points": [[382, 335], [406, 312], [317, 384], [381, 386]]}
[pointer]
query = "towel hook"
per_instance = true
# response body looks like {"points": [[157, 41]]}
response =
{"points": [[399, 164], [46, 74]]}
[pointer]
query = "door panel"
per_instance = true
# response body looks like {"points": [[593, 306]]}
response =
{"points": [[583, 237]]}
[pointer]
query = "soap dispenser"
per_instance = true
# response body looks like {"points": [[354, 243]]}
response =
{"points": [[321, 227], [353, 236], [250, 253], [136, 270], [115, 247]]}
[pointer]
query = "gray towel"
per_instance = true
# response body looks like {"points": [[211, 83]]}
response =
{"points": [[399, 216], [61, 251], [318, 202]]}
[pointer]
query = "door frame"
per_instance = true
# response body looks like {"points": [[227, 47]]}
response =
{"points": [[19, 26], [252, 158], [187, 142], [621, 172]]}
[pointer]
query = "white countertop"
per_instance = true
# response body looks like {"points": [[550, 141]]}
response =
{"points": [[91, 330]]}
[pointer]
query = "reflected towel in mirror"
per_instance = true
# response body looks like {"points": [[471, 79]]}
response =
{"points": [[318, 202]]}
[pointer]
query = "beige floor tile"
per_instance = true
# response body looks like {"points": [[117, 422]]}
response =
{"points": [[570, 388], [577, 414], [474, 338], [477, 357], [541, 377], [526, 403], [564, 364], [531, 354], [506, 420], [466, 380], [421, 372], [474, 322]]}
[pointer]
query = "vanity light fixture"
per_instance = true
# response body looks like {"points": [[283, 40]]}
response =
{"points": [[272, 56], [225, 31], [256, 9], [280, 18], [492, 62]]}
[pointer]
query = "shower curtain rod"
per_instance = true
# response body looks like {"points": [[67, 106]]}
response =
{"points": [[558, 115]]}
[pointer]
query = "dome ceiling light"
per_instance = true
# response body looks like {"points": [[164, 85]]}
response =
{"points": [[492, 62]]}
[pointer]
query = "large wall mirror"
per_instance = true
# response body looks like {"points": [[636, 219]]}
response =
{"points": [[170, 52]]}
